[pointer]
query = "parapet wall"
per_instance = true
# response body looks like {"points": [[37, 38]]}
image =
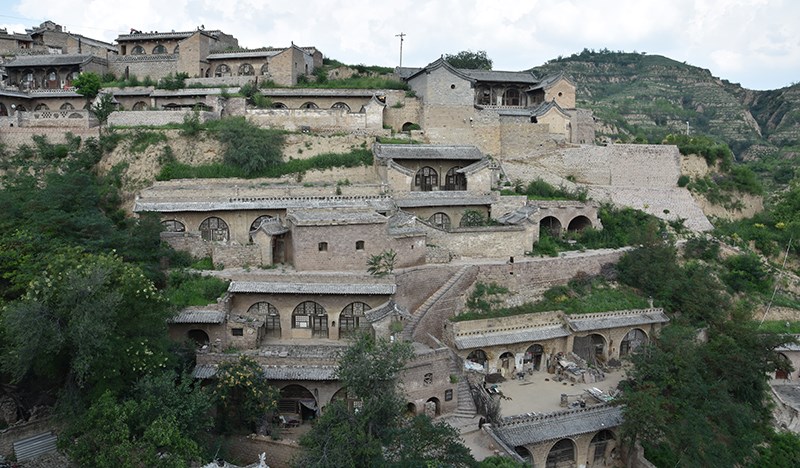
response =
{"points": [[14, 137], [320, 120], [61, 119], [155, 118], [482, 242]]}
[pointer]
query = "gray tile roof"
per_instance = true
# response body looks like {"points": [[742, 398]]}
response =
{"points": [[618, 319], [427, 152], [244, 54], [545, 107], [14, 93], [384, 310], [514, 111], [164, 35], [443, 198], [378, 202], [271, 227], [198, 316], [790, 346], [553, 426], [311, 288], [518, 216], [404, 224], [520, 335], [54, 60], [321, 92], [501, 76], [475, 167], [550, 80], [334, 217]]}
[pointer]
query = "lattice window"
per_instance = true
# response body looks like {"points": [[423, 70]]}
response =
{"points": [[246, 69], [258, 221], [309, 314], [455, 180], [173, 225], [269, 314], [214, 229], [426, 179], [138, 50], [428, 379], [440, 220], [159, 49], [351, 317]]}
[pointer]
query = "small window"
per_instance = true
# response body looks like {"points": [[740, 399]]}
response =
{"points": [[323, 246], [159, 49], [359, 245], [428, 380], [448, 395], [237, 331]]}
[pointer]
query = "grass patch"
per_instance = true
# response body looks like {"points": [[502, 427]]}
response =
{"points": [[191, 289], [356, 82], [140, 140], [540, 190], [582, 295], [355, 158], [203, 264], [779, 326]]}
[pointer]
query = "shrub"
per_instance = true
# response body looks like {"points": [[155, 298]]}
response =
{"points": [[247, 146], [683, 180]]}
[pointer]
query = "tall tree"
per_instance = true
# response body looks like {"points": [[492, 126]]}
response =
{"points": [[468, 59]]}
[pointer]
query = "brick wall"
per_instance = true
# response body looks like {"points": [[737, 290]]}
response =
{"points": [[154, 117], [481, 242], [142, 66], [16, 136], [320, 120], [61, 119], [417, 391]]}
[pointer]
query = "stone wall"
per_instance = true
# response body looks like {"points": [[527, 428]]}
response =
{"points": [[215, 81], [60, 119], [401, 110], [415, 285], [142, 66], [320, 120], [582, 126], [438, 389], [16, 136], [155, 117], [482, 242]]}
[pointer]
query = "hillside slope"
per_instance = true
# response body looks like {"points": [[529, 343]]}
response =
{"points": [[646, 97]]}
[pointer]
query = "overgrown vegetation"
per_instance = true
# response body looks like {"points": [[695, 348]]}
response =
{"points": [[541, 190], [192, 289]]}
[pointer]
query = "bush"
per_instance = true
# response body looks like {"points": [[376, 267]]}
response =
{"points": [[247, 146], [683, 180], [190, 289], [747, 274]]}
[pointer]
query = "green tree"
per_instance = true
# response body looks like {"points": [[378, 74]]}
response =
{"points": [[382, 264], [87, 84], [377, 433], [243, 395], [161, 423], [248, 146], [102, 108], [88, 323], [468, 59]]}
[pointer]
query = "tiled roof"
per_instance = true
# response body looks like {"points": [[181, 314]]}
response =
{"points": [[479, 340], [384, 310], [334, 217], [474, 167], [518, 216], [427, 152], [271, 227], [405, 72], [322, 92], [545, 107], [198, 316], [16, 36], [625, 318], [550, 80], [440, 63], [403, 223], [244, 54], [553, 426], [14, 93], [443, 198], [311, 288], [49, 60], [164, 35], [790, 346], [381, 203], [500, 76], [204, 371]]}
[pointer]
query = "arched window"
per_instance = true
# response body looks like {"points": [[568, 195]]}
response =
{"points": [[246, 69], [51, 80], [309, 105], [511, 97], [599, 445], [177, 50], [214, 229], [440, 220], [279, 105], [341, 105], [265, 69], [159, 49], [579, 223], [350, 320], [258, 221], [269, 314], [138, 50], [455, 180], [67, 106], [41, 107], [140, 106], [311, 315], [21, 108], [426, 179], [551, 225], [222, 70], [173, 225]]}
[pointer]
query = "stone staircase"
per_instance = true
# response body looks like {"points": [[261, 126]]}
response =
{"points": [[411, 327], [466, 405]]}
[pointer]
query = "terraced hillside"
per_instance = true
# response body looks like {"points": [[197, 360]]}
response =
{"points": [[644, 97]]}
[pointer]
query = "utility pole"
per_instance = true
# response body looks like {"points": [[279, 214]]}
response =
{"points": [[401, 36]]}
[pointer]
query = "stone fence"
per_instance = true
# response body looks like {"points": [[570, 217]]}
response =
{"points": [[57, 118], [155, 117], [217, 81], [319, 120]]}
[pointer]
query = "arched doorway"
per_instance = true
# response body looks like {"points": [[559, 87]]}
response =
{"points": [[269, 318], [426, 179], [411, 409], [632, 341], [343, 396], [408, 126], [599, 448], [478, 356], [199, 337], [311, 315], [533, 357], [299, 401], [507, 362], [433, 407], [562, 455], [455, 180], [550, 225], [579, 223], [351, 319], [214, 229], [591, 348], [781, 373]]}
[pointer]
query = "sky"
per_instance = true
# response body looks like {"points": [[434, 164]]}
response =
{"points": [[752, 42]]}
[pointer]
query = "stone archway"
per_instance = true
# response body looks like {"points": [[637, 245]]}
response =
{"points": [[591, 348], [478, 356], [632, 341], [533, 357], [561, 455], [579, 223], [298, 400], [600, 447], [506, 362], [433, 407], [200, 337], [524, 453], [551, 225]]}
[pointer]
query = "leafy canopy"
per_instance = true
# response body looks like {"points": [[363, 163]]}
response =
{"points": [[477, 60]]}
